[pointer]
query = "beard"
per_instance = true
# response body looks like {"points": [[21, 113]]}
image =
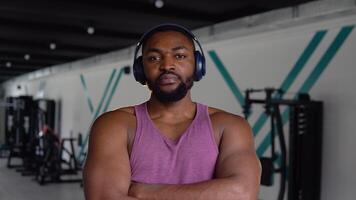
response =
{"points": [[174, 95]]}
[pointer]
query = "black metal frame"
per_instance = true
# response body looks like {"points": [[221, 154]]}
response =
{"points": [[297, 189]]}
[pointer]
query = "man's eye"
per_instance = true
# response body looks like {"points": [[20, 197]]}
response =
{"points": [[153, 58], [180, 56]]}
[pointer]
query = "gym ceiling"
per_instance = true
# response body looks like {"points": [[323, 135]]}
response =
{"points": [[35, 34]]}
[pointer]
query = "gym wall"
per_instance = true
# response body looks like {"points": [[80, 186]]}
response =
{"points": [[310, 49]]}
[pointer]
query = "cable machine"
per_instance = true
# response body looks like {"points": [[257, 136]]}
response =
{"points": [[304, 152]]}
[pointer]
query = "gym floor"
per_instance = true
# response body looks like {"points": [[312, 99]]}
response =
{"points": [[13, 186]]}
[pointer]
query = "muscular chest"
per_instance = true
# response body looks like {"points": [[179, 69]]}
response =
{"points": [[175, 130], [172, 130]]}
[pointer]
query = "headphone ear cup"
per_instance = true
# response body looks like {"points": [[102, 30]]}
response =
{"points": [[199, 66], [138, 71]]}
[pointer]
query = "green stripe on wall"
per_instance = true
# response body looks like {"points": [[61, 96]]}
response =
{"points": [[228, 79], [90, 103], [113, 89], [313, 77], [105, 108], [297, 68], [97, 112], [327, 57]]}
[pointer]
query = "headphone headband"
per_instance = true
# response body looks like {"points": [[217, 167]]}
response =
{"points": [[166, 26]]}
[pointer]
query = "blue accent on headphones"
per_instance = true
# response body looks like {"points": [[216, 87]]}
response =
{"points": [[198, 55]]}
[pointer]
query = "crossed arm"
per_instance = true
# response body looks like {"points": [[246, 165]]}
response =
{"points": [[107, 170]]}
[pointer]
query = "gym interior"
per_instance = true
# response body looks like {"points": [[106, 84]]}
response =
{"points": [[287, 68]]}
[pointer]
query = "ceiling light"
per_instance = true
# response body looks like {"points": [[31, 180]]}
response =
{"points": [[90, 30], [8, 64], [159, 3], [52, 46], [27, 57]]}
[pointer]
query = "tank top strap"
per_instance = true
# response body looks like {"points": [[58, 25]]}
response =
{"points": [[205, 124], [202, 113], [140, 112]]}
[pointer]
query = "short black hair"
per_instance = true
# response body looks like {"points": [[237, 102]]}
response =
{"points": [[166, 29]]}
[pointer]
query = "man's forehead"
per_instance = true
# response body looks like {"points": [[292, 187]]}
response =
{"points": [[169, 32], [165, 34]]}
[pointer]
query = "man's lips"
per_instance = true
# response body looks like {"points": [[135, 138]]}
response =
{"points": [[167, 79]]}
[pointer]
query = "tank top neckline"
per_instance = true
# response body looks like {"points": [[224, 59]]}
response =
{"points": [[184, 133]]}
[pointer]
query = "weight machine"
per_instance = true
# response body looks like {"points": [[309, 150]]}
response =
{"points": [[19, 123], [30, 137], [304, 155]]}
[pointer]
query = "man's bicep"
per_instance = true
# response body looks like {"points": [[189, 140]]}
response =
{"points": [[237, 157], [107, 169]]}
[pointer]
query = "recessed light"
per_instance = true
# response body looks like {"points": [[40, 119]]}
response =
{"points": [[27, 57], [52, 46], [159, 3], [8, 64], [90, 30]]}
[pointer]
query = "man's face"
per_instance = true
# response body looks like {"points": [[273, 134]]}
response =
{"points": [[168, 59]]}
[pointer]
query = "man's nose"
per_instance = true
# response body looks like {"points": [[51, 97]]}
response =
{"points": [[168, 63]]}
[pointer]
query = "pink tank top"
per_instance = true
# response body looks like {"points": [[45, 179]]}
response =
{"points": [[156, 159]]}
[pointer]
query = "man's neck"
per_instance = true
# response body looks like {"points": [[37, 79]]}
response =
{"points": [[179, 108]]}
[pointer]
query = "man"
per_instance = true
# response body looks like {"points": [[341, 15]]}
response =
{"points": [[170, 147]]}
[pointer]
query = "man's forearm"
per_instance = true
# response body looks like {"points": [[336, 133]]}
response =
{"points": [[224, 188], [109, 196], [127, 198]]}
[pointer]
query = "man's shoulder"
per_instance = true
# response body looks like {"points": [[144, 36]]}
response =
{"points": [[222, 113], [124, 111], [121, 117], [224, 117]]}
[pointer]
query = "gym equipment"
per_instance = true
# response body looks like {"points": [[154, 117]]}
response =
{"points": [[30, 136], [45, 113], [9, 119], [50, 149], [53, 167], [200, 69], [305, 151], [23, 115], [304, 143], [9, 125], [23, 139], [21, 130]]}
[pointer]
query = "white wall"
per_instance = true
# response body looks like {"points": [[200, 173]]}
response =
{"points": [[257, 52]]}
